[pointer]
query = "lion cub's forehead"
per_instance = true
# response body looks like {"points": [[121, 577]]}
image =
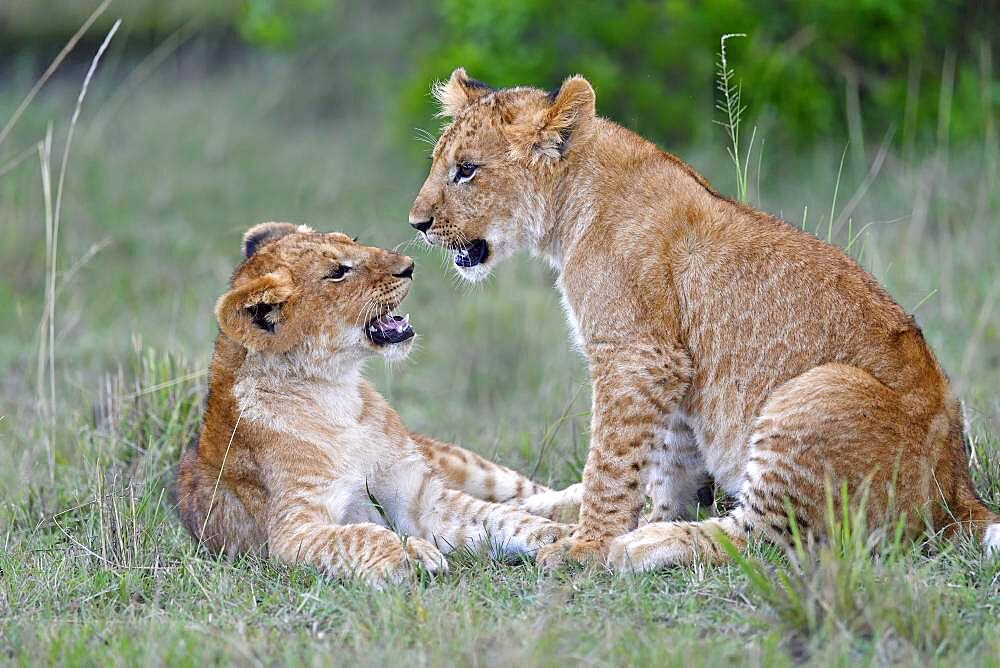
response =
{"points": [[324, 248], [308, 246], [300, 252], [478, 127], [337, 248]]}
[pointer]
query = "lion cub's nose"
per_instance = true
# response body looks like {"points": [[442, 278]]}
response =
{"points": [[407, 272]]}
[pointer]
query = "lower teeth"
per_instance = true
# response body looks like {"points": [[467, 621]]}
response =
{"points": [[390, 325]]}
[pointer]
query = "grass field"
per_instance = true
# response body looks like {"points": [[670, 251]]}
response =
{"points": [[161, 182]]}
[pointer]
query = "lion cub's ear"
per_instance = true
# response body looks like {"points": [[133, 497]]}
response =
{"points": [[546, 134], [251, 313], [265, 233], [458, 92]]}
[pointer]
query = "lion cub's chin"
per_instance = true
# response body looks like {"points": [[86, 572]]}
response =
{"points": [[395, 352], [473, 274]]}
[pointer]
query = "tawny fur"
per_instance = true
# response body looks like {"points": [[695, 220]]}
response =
{"points": [[719, 339], [300, 458]]}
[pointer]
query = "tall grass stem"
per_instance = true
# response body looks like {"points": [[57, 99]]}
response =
{"points": [[53, 66], [733, 109]]}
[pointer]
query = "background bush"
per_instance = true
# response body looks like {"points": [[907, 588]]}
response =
{"points": [[923, 67], [813, 63], [648, 59]]}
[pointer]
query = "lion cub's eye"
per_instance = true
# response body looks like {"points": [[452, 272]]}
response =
{"points": [[464, 171], [339, 272]]}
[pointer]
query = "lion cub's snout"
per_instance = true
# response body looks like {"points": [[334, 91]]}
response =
{"points": [[405, 272], [400, 267], [388, 331]]}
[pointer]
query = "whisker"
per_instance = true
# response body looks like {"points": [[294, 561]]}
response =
{"points": [[425, 136], [405, 245], [363, 315], [446, 259]]}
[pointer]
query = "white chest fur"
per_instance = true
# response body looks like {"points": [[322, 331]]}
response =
{"points": [[576, 339], [351, 459], [306, 408]]}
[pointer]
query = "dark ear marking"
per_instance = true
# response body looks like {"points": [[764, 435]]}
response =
{"points": [[546, 134], [254, 241], [355, 239], [260, 315], [564, 136], [476, 84], [458, 92], [566, 132], [264, 233]]}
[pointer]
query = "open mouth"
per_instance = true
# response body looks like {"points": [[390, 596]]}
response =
{"points": [[388, 329], [473, 253]]}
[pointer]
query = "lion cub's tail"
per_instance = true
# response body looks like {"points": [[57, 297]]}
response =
{"points": [[969, 509]]}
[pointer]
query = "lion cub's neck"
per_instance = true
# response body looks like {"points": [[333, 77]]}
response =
{"points": [[303, 393], [618, 178]]}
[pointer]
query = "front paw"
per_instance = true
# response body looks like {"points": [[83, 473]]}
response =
{"points": [[547, 534], [572, 550], [397, 561], [419, 551]]}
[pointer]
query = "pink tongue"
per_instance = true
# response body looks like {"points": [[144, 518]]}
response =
{"points": [[388, 322]]}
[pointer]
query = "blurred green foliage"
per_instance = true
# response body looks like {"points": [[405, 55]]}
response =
{"points": [[652, 63], [814, 69], [281, 23], [23, 22]]}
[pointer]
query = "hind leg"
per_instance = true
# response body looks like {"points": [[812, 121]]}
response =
{"points": [[418, 503], [468, 472], [465, 471], [838, 427], [833, 425], [662, 544]]}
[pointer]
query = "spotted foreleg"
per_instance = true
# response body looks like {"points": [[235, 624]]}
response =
{"points": [[634, 393], [300, 532]]}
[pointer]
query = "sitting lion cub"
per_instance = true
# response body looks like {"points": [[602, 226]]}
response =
{"points": [[300, 457], [720, 340]]}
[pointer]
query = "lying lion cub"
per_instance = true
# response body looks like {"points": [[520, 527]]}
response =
{"points": [[300, 457]]}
